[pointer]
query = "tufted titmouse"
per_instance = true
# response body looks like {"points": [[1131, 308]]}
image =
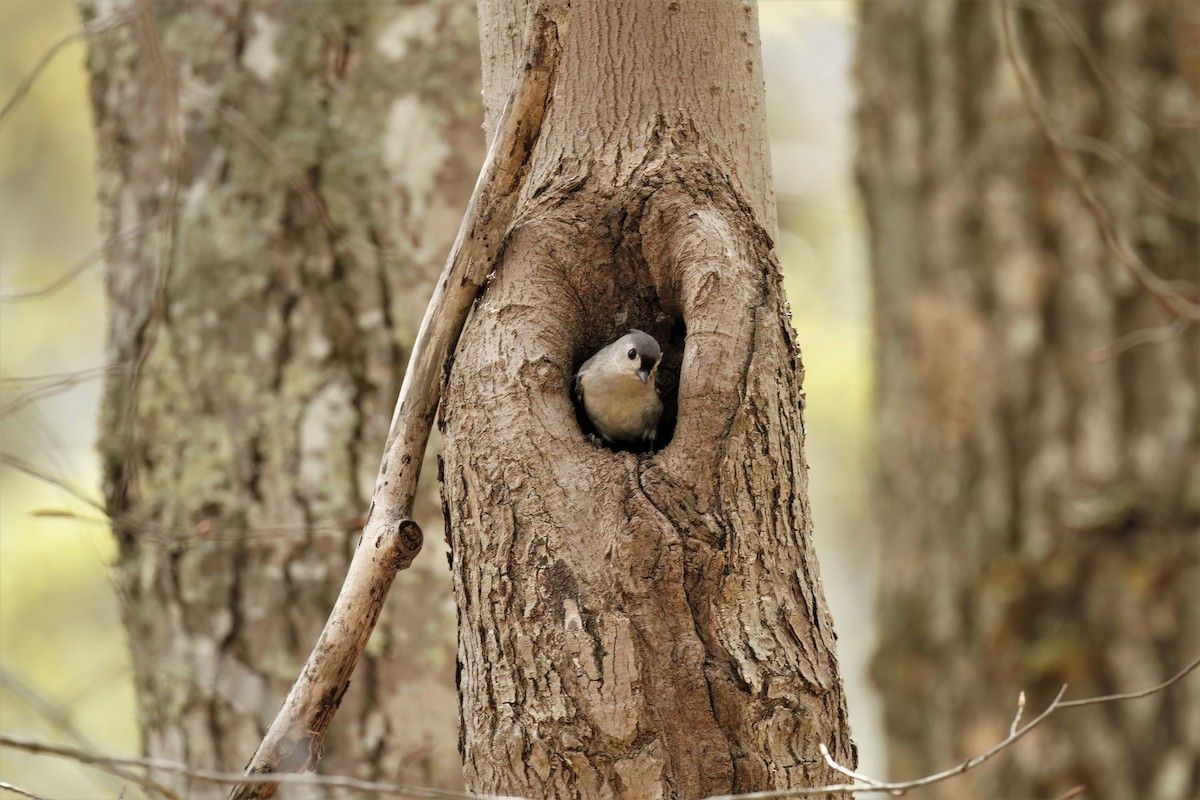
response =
{"points": [[617, 389]]}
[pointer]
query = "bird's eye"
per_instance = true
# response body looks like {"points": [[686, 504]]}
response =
{"points": [[632, 354]]}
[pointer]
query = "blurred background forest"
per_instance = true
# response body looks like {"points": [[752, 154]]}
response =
{"points": [[61, 640], [60, 636]]}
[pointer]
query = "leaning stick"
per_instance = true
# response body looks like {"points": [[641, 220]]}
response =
{"points": [[391, 540]]}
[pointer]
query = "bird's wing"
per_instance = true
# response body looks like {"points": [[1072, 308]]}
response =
{"points": [[577, 379]]}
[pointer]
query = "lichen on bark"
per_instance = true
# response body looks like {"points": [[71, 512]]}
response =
{"points": [[263, 315]]}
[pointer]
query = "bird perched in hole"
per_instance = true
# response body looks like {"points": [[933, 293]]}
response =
{"points": [[617, 390]]}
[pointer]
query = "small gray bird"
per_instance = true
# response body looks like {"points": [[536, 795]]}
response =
{"points": [[616, 387]]}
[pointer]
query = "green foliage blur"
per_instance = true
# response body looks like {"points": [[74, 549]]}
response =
{"points": [[64, 671]]}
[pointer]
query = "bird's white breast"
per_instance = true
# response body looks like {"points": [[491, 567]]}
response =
{"points": [[622, 408]]}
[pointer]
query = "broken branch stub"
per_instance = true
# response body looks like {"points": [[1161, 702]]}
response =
{"points": [[390, 538]]}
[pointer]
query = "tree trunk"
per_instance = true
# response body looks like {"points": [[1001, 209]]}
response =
{"points": [[298, 171], [1040, 492], [638, 626]]}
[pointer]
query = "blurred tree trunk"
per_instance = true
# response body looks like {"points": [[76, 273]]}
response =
{"points": [[298, 170], [1040, 502], [638, 627]]}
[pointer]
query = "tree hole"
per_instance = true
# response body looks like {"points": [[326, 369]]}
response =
{"points": [[670, 333]]}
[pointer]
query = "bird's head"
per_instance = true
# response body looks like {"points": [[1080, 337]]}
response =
{"points": [[637, 353]]}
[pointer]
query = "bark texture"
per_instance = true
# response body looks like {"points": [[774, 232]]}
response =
{"points": [[298, 171], [1040, 506], [638, 627]]}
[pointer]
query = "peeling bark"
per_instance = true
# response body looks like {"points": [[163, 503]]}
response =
{"points": [[303, 167], [638, 627], [1040, 507]]}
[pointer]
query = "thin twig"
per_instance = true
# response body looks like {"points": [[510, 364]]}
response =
{"points": [[1113, 698], [51, 377], [50, 387], [84, 32], [1159, 335], [21, 465], [203, 531], [865, 785], [8, 787], [1079, 38], [58, 716], [1102, 149], [216, 776], [849, 773], [862, 785], [391, 540], [1175, 302], [1070, 794], [158, 534], [1017, 717], [113, 765], [899, 788], [147, 335], [53, 713], [9, 295]]}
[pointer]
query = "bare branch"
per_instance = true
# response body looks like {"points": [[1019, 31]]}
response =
{"points": [[53, 713], [1173, 300], [865, 785], [1102, 149], [51, 377], [108, 762], [1072, 793], [1113, 698], [171, 116], [58, 717], [1159, 335], [91, 29], [8, 787], [1012, 729], [21, 465], [203, 530], [849, 773], [391, 539], [81, 266], [51, 385], [113, 765], [1079, 38]]}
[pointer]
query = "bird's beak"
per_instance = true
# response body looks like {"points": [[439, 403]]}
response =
{"points": [[643, 374]]}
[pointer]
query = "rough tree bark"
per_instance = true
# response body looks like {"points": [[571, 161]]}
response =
{"points": [[641, 627], [299, 170], [1040, 506]]}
